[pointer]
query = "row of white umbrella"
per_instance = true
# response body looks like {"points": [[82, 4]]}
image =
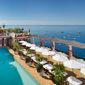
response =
{"points": [[61, 58]]}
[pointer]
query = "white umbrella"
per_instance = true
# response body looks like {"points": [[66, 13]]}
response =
{"points": [[34, 47], [41, 49], [60, 58], [43, 62], [28, 45], [51, 53], [22, 41], [83, 70], [48, 53], [73, 64], [48, 66]]}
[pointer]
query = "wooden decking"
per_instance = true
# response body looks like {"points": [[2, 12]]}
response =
{"points": [[31, 70]]}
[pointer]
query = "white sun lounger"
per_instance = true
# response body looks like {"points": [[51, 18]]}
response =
{"points": [[33, 58], [48, 66], [74, 81], [43, 62], [30, 55], [24, 52]]}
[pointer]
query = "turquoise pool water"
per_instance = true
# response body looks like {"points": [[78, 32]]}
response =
{"points": [[12, 73]]}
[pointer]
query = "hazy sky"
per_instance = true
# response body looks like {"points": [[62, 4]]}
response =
{"points": [[42, 12]]}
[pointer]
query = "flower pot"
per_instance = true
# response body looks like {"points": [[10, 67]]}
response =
{"points": [[29, 63], [15, 52], [21, 54]]}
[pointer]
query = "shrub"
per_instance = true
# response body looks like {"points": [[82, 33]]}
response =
{"points": [[59, 77], [59, 71], [39, 67]]}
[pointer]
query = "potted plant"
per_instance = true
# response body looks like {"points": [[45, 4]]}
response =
{"points": [[15, 52], [21, 48], [11, 30], [39, 67], [15, 29], [20, 55], [4, 30], [15, 44], [38, 58], [28, 60]]}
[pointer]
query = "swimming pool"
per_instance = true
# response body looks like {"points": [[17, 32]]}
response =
{"points": [[12, 73]]}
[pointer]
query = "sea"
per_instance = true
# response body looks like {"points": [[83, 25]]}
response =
{"points": [[65, 32]]}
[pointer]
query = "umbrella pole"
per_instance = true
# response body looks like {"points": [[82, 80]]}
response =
{"points": [[75, 72], [48, 57], [69, 71], [81, 77]]}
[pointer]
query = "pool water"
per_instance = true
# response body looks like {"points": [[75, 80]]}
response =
{"points": [[12, 73]]}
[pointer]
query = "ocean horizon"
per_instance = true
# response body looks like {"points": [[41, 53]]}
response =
{"points": [[69, 33]]}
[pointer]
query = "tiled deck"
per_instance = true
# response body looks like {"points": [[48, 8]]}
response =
{"points": [[31, 70]]}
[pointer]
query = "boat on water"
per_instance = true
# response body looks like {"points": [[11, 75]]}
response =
{"points": [[74, 38], [62, 32], [64, 37], [79, 32], [68, 35]]}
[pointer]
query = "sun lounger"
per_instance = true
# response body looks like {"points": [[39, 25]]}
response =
{"points": [[74, 81], [33, 58], [31, 55], [24, 52], [43, 62], [48, 66]]}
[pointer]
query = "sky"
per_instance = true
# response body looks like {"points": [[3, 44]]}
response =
{"points": [[42, 12]]}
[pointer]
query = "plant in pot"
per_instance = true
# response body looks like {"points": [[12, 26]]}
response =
{"points": [[15, 52], [38, 58], [11, 30], [39, 67], [4, 30], [28, 60], [15, 44], [20, 55], [20, 48]]}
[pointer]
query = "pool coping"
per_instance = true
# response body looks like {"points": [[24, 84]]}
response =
{"points": [[31, 70]]}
